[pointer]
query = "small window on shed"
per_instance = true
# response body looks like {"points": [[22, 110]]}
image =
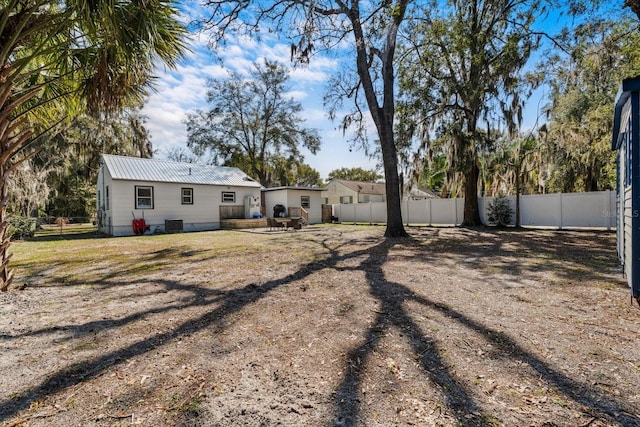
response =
{"points": [[305, 202], [106, 198], [187, 196], [144, 197], [228, 197]]}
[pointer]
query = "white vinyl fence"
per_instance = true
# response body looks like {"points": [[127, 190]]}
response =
{"points": [[561, 210]]}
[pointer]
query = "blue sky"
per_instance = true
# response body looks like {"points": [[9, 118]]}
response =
{"points": [[183, 90]]}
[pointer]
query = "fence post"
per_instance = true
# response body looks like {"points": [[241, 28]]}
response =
{"points": [[455, 212], [560, 199], [407, 211], [370, 214], [430, 210]]}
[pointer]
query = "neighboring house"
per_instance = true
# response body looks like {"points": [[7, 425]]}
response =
{"points": [[169, 196], [626, 141], [295, 199], [342, 191], [416, 193]]}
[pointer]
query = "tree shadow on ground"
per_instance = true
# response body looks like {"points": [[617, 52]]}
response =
{"points": [[570, 255], [392, 297], [227, 303]]}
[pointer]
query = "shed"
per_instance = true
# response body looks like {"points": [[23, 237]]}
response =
{"points": [[306, 201], [170, 196], [626, 141]]}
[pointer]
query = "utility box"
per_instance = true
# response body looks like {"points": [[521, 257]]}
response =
{"points": [[173, 225]]}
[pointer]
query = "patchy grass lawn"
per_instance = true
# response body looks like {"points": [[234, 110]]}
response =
{"points": [[330, 326]]}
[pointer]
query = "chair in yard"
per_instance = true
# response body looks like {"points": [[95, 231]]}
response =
{"points": [[274, 224], [294, 223]]}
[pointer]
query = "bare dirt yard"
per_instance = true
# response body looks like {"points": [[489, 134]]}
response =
{"points": [[329, 326]]}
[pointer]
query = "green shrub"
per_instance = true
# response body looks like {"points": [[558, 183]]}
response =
{"points": [[500, 211], [21, 226]]}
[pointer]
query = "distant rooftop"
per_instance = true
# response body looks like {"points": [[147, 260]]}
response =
{"points": [[364, 187]]}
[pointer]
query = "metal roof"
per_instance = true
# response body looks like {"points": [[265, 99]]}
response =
{"points": [[137, 169]]}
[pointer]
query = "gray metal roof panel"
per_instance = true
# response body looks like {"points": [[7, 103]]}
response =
{"points": [[152, 170]]}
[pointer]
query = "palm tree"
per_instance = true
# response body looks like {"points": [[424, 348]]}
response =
{"points": [[61, 58]]}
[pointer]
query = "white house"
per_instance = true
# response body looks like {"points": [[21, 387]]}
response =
{"points": [[170, 196], [293, 198], [343, 191]]}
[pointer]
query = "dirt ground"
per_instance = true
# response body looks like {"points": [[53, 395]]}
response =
{"points": [[328, 326]]}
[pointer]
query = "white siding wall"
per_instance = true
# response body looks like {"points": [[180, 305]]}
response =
{"points": [[104, 216], [272, 198], [203, 214], [315, 203], [336, 190], [290, 197]]}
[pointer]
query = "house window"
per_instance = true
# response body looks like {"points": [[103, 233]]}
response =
{"points": [[106, 198], [144, 197], [228, 197], [187, 196], [345, 200], [305, 202]]}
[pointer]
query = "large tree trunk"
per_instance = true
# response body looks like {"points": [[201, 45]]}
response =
{"points": [[471, 211], [14, 133], [395, 228], [383, 113], [6, 274]]}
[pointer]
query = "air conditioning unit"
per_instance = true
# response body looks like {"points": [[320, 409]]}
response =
{"points": [[173, 225]]}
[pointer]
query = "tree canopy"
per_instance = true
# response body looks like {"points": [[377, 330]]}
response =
{"points": [[354, 174], [59, 59], [253, 125], [372, 30], [584, 84], [464, 73]]}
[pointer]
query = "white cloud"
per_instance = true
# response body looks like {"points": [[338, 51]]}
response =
{"points": [[184, 89]]}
